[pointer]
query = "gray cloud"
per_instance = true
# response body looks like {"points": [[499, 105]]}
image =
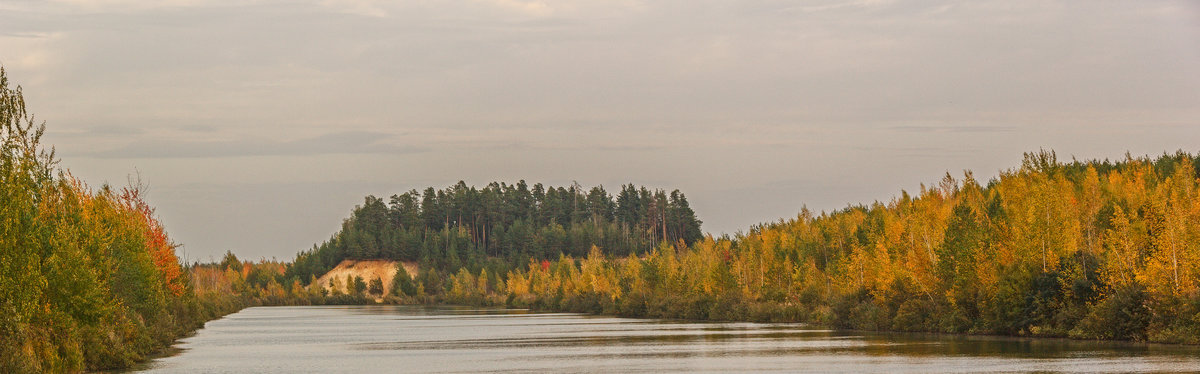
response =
{"points": [[334, 143], [954, 128], [752, 107], [105, 131]]}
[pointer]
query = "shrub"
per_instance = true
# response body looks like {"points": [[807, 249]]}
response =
{"points": [[1121, 315]]}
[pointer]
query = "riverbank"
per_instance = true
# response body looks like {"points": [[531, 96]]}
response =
{"points": [[786, 318], [761, 316], [698, 283]]}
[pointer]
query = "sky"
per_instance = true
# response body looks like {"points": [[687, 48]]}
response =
{"points": [[258, 125]]}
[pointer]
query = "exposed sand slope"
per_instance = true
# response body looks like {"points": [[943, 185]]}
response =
{"points": [[385, 270]]}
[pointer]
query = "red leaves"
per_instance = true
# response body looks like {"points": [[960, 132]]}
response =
{"points": [[162, 251]]}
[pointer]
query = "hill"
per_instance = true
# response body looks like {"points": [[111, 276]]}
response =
{"points": [[367, 270], [465, 226]]}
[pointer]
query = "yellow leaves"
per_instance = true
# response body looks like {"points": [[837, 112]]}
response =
{"points": [[595, 276], [1124, 245], [464, 286], [1036, 231], [517, 284], [1043, 217], [1170, 269], [630, 272]]}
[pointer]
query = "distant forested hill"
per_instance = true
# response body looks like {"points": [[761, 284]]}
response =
{"points": [[463, 226]]}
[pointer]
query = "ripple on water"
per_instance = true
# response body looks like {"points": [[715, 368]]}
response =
{"points": [[451, 340]]}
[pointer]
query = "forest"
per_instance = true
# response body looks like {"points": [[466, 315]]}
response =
{"points": [[1081, 249], [502, 226]]}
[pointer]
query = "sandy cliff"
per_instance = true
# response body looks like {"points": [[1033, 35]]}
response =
{"points": [[385, 270]]}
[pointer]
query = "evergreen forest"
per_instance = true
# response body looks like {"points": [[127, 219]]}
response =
{"points": [[504, 225]]}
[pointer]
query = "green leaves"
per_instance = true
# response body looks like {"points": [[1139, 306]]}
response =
{"points": [[78, 280]]}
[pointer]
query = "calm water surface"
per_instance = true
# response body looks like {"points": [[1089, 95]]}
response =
{"points": [[386, 339]]}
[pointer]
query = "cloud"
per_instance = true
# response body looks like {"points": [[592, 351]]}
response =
{"points": [[36, 48], [27, 34], [867, 95], [350, 142], [842, 5], [134, 6], [954, 128], [534, 8], [100, 131], [366, 8]]}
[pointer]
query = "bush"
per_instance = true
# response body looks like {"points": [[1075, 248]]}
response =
{"points": [[402, 283], [915, 315], [633, 305], [1122, 315], [727, 307], [375, 287], [867, 316]]}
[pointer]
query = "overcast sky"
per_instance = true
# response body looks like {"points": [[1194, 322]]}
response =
{"points": [[259, 124]]}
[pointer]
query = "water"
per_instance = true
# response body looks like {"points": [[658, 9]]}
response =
{"points": [[375, 339]]}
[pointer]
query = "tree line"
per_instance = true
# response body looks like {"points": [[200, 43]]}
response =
{"points": [[1080, 249], [88, 277], [463, 225], [1090, 250]]}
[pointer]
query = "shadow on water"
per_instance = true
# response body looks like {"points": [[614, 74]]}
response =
{"points": [[598, 331], [464, 339], [923, 344]]}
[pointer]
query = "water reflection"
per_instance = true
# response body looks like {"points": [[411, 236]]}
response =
{"points": [[444, 339]]}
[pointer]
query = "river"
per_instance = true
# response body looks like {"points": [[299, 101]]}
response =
{"points": [[388, 339]]}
